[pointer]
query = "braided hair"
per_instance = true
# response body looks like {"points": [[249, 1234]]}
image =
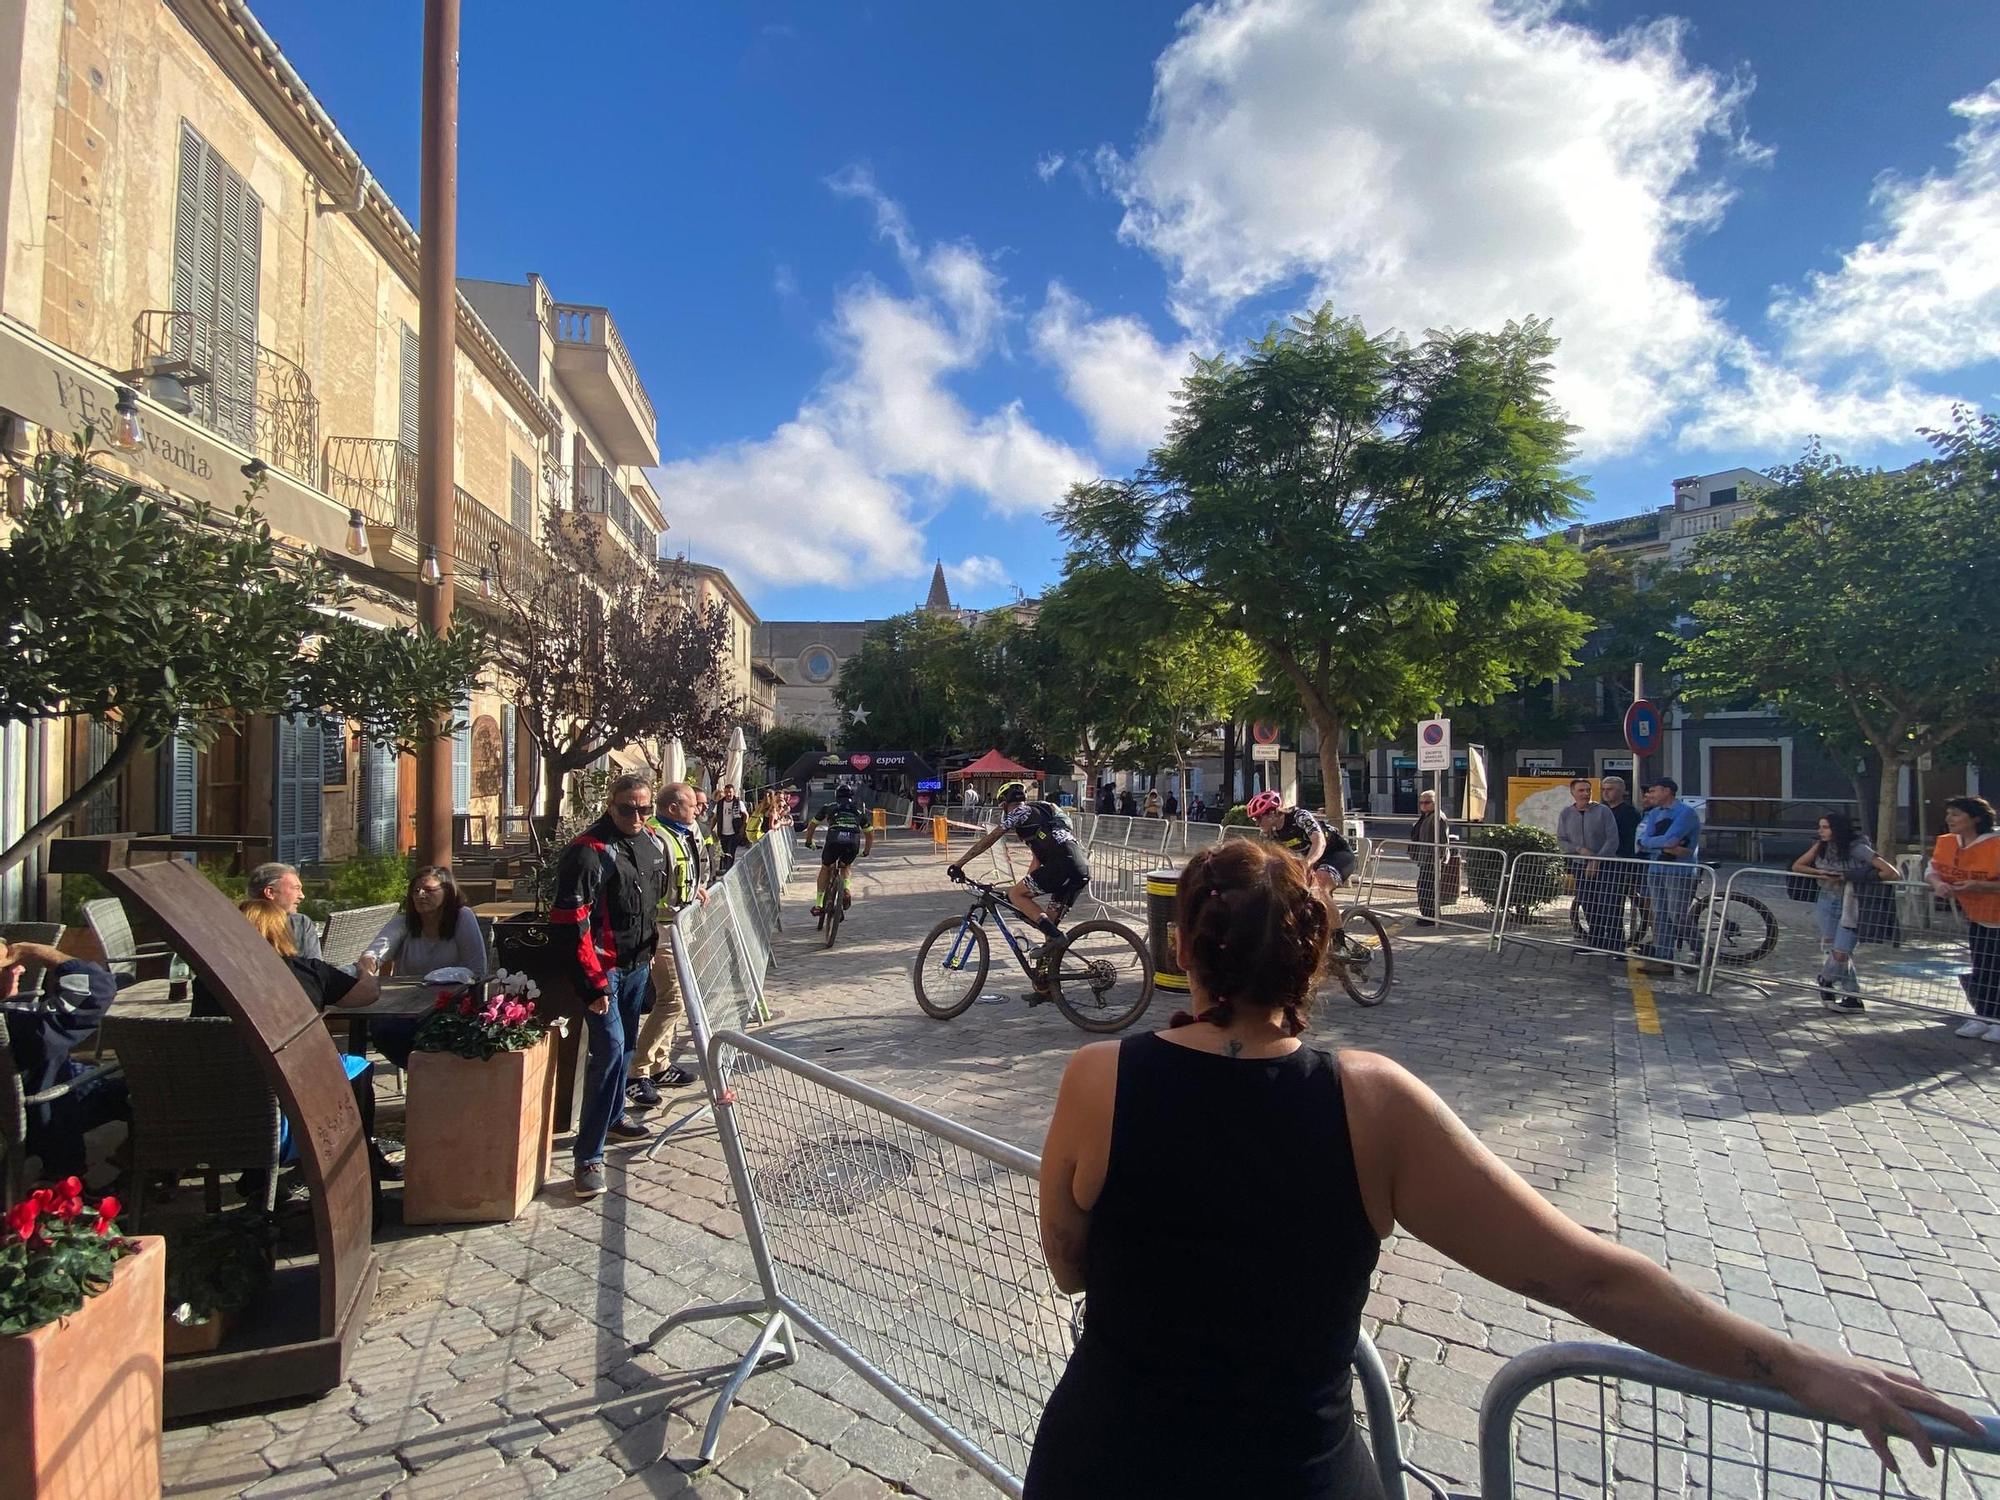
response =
{"points": [[1255, 932]]}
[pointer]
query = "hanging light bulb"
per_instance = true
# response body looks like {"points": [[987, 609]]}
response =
{"points": [[431, 573], [486, 583], [126, 431], [357, 532]]}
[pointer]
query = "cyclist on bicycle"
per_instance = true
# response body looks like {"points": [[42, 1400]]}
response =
{"points": [[1329, 858], [1056, 866], [847, 834]]}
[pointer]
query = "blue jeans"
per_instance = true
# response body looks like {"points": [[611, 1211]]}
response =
{"points": [[1834, 937], [1670, 887], [611, 1037]]}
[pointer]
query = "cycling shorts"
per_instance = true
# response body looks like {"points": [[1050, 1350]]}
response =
{"points": [[838, 853], [1341, 863], [1061, 881]]}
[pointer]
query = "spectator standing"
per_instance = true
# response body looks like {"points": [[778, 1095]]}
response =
{"points": [[608, 890], [971, 797], [1845, 864], [1624, 814], [1186, 1385], [1170, 806], [1198, 809], [704, 827], [730, 816], [684, 879], [1107, 799], [279, 884], [42, 1030], [1430, 837], [1669, 838], [1965, 869], [1153, 803], [1128, 804], [1588, 832]]}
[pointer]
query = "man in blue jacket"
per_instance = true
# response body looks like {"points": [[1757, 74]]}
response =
{"points": [[42, 1031], [1670, 838]]}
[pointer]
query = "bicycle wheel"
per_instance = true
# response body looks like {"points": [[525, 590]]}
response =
{"points": [[1364, 961], [835, 909], [1101, 976], [1745, 930], [949, 972]]}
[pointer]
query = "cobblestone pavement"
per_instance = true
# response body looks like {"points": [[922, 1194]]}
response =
{"points": [[1831, 1174]]}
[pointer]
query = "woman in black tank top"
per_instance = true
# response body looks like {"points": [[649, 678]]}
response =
{"points": [[1221, 1191]]}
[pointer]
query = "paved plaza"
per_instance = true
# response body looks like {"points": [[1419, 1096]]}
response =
{"points": [[1831, 1174]]}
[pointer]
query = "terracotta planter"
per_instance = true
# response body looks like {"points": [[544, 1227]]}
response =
{"points": [[476, 1135], [83, 1393]]}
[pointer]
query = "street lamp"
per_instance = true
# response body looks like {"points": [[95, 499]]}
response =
{"points": [[431, 572], [126, 432], [357, 532]]}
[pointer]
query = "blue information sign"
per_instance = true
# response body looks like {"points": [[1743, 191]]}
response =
{"points": [[1642, 728]]}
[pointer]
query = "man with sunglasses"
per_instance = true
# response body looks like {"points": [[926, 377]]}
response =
{"points": [[608, 890]]}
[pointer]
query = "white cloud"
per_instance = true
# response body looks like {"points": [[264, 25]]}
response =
{"points": [[1769, 406], [839, 493], [1926, 294], [1048, 164], [976, 571], [1114, 370]]}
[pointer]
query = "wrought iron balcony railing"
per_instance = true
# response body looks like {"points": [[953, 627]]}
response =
{"points": [[231, 384], [376, 476], [475, 530]]}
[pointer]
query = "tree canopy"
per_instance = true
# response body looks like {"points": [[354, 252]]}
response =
{"points": [[1856, 602], [163, 621], [1359, 508]]}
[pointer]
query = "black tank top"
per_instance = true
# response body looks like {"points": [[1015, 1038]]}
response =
{"points": [[1228, 1260]]}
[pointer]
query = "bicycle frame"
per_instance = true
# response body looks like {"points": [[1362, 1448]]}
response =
{"points": [[988, 900]]}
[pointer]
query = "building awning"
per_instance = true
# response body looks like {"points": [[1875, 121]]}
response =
{"points": [[629, 758], [993, 763]]}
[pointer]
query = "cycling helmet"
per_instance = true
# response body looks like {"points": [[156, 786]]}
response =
{"points": [[1013, 791], [844, 796], [1263, 802]]}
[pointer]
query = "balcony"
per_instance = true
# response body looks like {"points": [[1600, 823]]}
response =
{"points": [[229, 383], [376, 476], [592, 363], [598, 494], [477, 529]]}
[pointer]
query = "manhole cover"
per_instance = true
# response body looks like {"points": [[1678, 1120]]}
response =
{"points": [[835, 1175]]}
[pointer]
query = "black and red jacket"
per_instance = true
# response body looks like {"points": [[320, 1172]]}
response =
{"points": [[608, 890]]}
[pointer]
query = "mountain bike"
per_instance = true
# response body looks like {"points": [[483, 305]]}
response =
{"points": [[1362, 959], [839, 896], [1098, 973], [1746, 931]]}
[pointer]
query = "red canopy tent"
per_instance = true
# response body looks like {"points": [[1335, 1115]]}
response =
{"points": [[993, 763]]}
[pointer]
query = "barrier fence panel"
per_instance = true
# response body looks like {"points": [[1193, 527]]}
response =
{"points": [[1150, 834], [1118, 875], [1457, 886], [1610, 905], [1911, 951], [1600, 1419], [1112, 828]]}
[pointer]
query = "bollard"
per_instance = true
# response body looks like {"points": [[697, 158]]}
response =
{"points": [[1161, 887]]}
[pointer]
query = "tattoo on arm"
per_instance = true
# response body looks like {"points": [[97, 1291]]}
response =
{"points": [[1759, 1368], [1235, 1048]]}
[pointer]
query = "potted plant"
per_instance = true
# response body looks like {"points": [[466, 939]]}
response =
{"points": [[481, 1109], [216, 1266], [80, 1316]]}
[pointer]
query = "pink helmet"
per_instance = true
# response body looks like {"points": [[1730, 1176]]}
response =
{"points": [[1263, 802]]}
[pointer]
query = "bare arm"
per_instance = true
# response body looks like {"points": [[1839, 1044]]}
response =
{"points": [[1435, 1179], [992, 837], [1080, 1124]]}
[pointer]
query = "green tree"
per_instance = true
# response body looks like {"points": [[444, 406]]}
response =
{"points": [[783, 744], [159, 621], [1359, 508], [915, 683], [1854, 602], [1089, 694]]}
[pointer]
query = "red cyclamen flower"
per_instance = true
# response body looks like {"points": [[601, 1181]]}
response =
{"points": [[22, 1216]]}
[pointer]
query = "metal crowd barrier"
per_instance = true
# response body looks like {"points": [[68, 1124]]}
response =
{"points": [[908, 1247], [1118, 875], [1473, 903], [1555, 899], [1911, 955], [1600, 1419]]}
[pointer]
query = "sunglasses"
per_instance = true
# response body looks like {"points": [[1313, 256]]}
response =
{"points": [[633, 809]]}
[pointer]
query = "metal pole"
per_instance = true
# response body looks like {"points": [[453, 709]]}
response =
{"points": [[436, 425]]}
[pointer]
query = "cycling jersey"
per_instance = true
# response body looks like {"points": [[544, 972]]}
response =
{"points": [[1046, 831], [843, 834], [1296, 830]]}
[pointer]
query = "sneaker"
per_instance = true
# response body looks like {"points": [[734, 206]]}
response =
{"points": [[1426, 922], [675, 1077], [628, 1130], [1850, 981], [818, 910], [640, 1094], [1827, 997], [1976, 1027], [1852, 1002], [590, 1179], [1829, 976]]}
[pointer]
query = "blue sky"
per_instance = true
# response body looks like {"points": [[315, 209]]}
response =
{"points": [[894, 274]]}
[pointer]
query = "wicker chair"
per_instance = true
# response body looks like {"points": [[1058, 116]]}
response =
{"points": [[31, 932], [199, 1102], [14, 1107], [122, 953], [348, 933]]}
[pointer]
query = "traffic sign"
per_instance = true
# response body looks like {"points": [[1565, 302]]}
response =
{"points": [[1264, 732], [1261, 751], [1434, 745], [1642, 728]]}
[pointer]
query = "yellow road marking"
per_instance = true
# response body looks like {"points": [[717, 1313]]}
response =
{"points": [[1643, 1009]]}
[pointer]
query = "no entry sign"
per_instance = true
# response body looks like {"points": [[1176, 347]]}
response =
{"points": [[1642, 728]]}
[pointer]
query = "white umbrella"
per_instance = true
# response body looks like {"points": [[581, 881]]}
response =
{"points": [[676, 758], [732, 765]]}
